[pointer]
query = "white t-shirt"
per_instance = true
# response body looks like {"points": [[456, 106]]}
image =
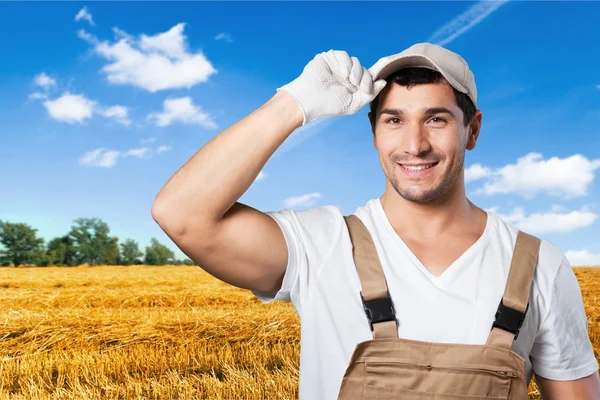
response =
{"points": [[459, 306]]}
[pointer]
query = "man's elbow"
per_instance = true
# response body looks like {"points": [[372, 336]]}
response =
{"points": [[162, 214], [158, 211]]}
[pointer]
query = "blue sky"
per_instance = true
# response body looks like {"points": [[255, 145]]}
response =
{"points": [[102, 102]]}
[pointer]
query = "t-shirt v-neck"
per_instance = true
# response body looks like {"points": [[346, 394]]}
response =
{"points": [[459, 264]]}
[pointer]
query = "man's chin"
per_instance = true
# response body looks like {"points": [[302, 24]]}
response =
{"points": [[420, 199], [418, 193]]}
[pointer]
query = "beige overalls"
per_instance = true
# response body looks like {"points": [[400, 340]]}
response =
{"points": [[389, 367]]}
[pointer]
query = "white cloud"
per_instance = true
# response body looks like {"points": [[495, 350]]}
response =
{"points": [[84, 14], [100, 158], [121, 34], [304, 200], [582, 258], [162, 149], [107, 158], [38, 96], [170, 43], [465, 21], [144, 152], [91, 39], [76, 108], [557, 220], [152, 63], [561, 177], [149, 140], [70, 108], [224, 36], [44, 81], [182, 110], [118, 113], [476, 172], [260, 177]]}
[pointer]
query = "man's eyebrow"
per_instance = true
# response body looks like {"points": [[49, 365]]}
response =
{"points": [[428, 112]]}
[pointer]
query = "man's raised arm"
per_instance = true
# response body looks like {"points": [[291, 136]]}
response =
{"points": [[198, 207]]}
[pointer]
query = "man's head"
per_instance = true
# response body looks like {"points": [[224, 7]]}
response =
{"points": [[420, 118]]}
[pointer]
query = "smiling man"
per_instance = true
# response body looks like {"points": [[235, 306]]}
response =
{"points": [[419, 293]]}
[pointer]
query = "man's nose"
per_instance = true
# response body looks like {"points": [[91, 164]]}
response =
{"points": [[416, 140]]}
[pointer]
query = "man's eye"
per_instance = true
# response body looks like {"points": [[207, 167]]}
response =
{"points": [[438, 119], [392, 119]]}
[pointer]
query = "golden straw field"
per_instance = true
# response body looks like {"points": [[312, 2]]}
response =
{"points": [[143, 332]]}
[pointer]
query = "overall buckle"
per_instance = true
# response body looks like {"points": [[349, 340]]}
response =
{"points": [[379, 310], [509, 319]]}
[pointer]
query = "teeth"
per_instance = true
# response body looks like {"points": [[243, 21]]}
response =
{"points": [[417, 168]]}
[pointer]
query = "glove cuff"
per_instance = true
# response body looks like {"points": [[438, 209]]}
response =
{"points": [[290, 92]]}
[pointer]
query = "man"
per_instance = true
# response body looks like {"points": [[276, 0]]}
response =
{"points": [[445, 260]]}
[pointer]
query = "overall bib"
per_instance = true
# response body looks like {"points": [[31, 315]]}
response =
{"points": [[389, 367]]}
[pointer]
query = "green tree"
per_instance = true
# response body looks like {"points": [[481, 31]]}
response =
{"points": [[130, 252], [61, 251], [158, 254], [185, 261], [93, 244], [56, 252], [188, 261], [20, 244]]}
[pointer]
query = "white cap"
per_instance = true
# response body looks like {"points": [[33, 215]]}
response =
{"points": [[428, 55]]}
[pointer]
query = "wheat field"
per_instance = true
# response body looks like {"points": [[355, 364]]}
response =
{"points": [[142, 332]]}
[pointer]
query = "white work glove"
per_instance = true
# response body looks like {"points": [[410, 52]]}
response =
{"points": [[333, 84]]}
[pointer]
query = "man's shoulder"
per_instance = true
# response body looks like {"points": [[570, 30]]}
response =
{"points": [[321, 215], [550, 256], [317, 227]]}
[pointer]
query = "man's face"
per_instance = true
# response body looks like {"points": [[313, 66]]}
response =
{"points": [[413, 130]]}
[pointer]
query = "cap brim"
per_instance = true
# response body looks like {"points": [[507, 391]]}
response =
{"points": [[415, 61]]}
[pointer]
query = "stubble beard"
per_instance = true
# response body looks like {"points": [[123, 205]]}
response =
{"points": [[438, 192]]}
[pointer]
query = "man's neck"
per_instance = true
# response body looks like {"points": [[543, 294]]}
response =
{"points": [[429, 221]]}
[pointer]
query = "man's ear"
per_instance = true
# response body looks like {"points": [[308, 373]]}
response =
{"points": [[474, 129]]}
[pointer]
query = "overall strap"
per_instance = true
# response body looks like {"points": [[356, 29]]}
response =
{"points": [[515, 302], [375, 296]]}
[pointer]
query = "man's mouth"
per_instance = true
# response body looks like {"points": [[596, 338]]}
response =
{"points": [[420, 167]]}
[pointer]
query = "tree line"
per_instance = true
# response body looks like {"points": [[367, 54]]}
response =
{"points": [[88, 242]]}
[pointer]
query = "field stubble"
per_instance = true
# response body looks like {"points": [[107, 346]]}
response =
{"points": [[144, 332]]}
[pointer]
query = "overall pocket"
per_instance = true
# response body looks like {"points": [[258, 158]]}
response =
{"points": [[389, 377]]}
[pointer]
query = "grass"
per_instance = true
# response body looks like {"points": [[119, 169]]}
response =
{"points": [[144, 332]]}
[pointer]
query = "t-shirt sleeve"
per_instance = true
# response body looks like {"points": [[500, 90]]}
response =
{"points": [[562, 349], [309, 235]]}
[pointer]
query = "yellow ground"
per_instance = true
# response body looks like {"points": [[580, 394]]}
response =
{"points": [[145, 332]]}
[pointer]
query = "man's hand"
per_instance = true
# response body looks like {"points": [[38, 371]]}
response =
{"points": [[333, 84]]}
